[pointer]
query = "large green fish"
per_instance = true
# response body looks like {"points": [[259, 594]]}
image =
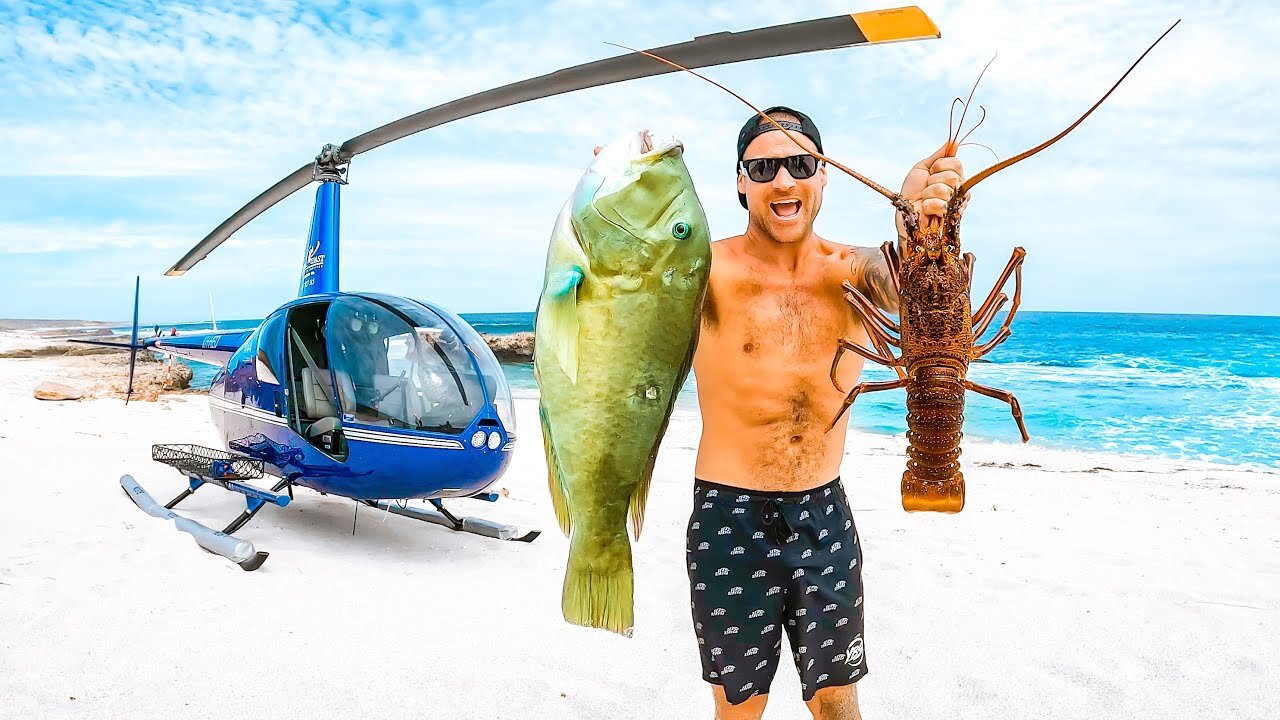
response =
{"points": [[616, 327]]}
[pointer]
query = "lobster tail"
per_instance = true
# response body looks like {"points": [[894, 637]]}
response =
{"points": [[935, 416]]}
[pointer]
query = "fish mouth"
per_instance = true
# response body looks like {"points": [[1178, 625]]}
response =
{"points": [[786, 210], [647, 146]]}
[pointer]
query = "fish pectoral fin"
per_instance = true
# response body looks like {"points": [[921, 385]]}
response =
{"points": [[559, 494], [560, 317]]}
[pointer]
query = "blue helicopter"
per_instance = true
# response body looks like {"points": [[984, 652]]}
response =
{"points": [[381, 398]]}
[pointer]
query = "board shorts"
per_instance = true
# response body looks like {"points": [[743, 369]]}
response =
{"points": [[762, 564]]}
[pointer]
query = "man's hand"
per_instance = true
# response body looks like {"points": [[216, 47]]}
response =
{"points": [[929, 185]]}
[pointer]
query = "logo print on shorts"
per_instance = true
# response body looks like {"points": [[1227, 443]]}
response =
{"points": [[767, 629], [830, 508], [738, 550], [804, 514], [745, 688], [704, 546], [700, 586], [842, 622], [717, 612], [722, 571], [751, 651], [727, 669], [835, 546], [826, 492], [797, 573], [706, 506], [828, 570], [757, 535], [743, 498], [775, 552], [739, 511], [822, 677], [732, 630], [802, 650], [852, 563], [801, 612], [807, 552], [827, 642], [793, 537], [773, 591], [848, 524], [829, 608], [855, 651], [758, 574], [840, 585], [755, 614], [805, 499], [857, 602], [812, 625], [762, 664], [810, 665], [712, 493], [716, 651], [837, 658], [822, 535], [724, 530], [735, 590], [714, 674], [693, 566], [811, 589], [695, 526]]}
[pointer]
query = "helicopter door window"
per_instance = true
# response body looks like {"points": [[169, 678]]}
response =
{"points": [[398, 374]]}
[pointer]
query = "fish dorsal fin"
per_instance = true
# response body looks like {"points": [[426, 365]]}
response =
{"points": [[555, 481]]}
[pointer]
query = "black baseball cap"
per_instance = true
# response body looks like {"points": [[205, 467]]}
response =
{"points": [[757, 126]]}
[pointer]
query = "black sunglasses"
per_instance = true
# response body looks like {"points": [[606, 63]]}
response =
{"points": [[800, 167]]}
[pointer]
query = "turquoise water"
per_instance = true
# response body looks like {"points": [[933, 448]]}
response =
{"points": [[1203, 387]]}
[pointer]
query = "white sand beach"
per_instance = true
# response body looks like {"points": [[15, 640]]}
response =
{"points": [[1073, 585]]}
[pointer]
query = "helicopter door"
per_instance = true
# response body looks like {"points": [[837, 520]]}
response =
{"points": [[314, 409]]}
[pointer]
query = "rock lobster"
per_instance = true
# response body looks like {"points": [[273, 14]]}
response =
{"points": [[937, 332]]}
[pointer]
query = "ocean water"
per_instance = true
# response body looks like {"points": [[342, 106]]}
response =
{"points": [[1198, 387]]}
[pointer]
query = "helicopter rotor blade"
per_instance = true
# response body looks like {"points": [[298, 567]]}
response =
{"points": [[866, 28]]}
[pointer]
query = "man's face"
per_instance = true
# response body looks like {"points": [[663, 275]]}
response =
{"points": [[784, 208]]}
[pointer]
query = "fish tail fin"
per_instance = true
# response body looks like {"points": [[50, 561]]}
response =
{"points": [[598, 584], [559, 495]]}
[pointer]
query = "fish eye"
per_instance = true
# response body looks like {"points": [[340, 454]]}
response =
{"points": [[680, 230]]}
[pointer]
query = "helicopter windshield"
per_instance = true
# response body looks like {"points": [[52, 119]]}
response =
{"points": [[390, 372]]}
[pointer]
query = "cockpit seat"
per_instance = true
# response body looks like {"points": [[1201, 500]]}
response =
{"points": [[316, 402]]}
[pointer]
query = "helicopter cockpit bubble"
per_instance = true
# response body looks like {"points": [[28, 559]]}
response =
{"points": [[400, 371]]}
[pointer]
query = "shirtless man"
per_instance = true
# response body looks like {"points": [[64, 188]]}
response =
{"points": [[772, 548]]}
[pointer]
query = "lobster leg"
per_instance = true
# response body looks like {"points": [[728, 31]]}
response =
{"points": [[1015, 264], [885, 359], [1004, 395], [865, 388], [980, 324], [855, 297]]}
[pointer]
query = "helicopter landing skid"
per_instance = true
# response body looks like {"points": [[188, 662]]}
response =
{"points": [[240, 552], [442, 516]]}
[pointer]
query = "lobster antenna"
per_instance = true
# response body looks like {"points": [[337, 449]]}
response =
{"points": [[968, 184], [972, 90], [951, 118], [855, 175], [975, 127]]}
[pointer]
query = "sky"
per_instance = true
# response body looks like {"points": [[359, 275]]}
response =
{"points": [[134, 128]]}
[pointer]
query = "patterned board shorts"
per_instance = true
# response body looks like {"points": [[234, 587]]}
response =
{"points": [[761, 564]]}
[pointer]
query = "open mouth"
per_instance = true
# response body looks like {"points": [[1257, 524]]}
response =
{"points": [[785, 209]]}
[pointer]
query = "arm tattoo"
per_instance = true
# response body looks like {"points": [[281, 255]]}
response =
{"points": [[872, 278]]}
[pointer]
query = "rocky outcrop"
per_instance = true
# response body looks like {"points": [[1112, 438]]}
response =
{"points": [[516, 347]]}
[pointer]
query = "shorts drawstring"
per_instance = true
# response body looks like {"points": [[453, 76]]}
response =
{"points": [[771, 516]]}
